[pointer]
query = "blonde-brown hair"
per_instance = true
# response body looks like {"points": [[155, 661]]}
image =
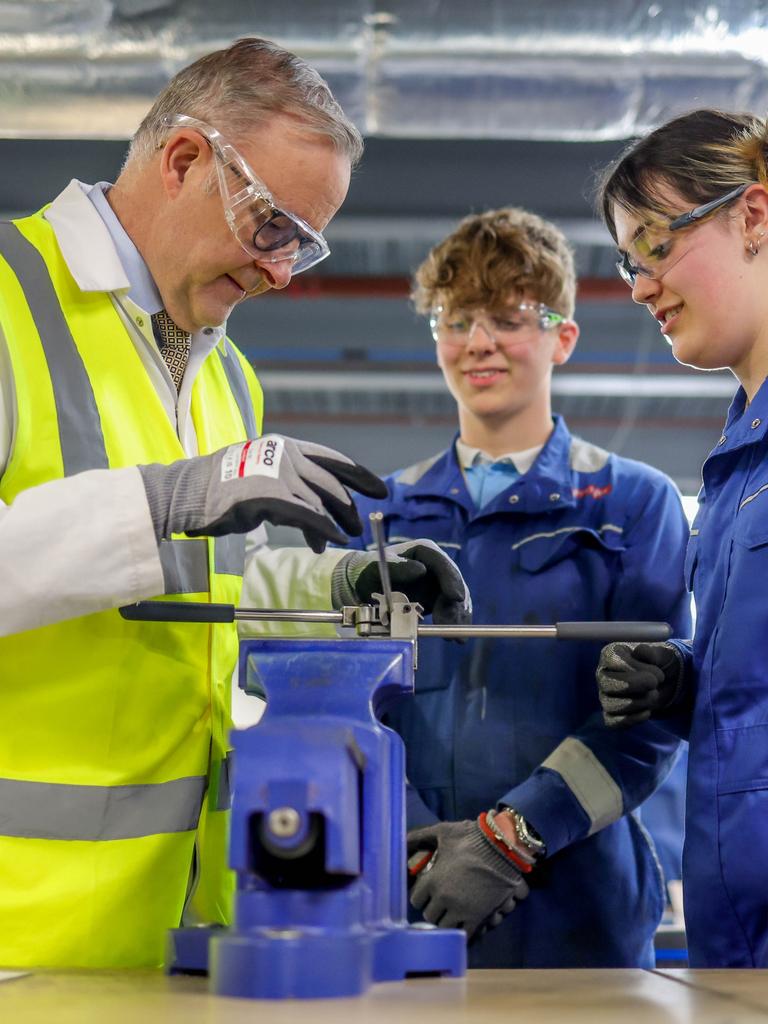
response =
{"points": [[239, 88], [701, 155], [494, 256]]}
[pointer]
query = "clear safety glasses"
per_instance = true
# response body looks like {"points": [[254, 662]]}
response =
{"points": [[454, 328], [266, 232], [656, 251]]}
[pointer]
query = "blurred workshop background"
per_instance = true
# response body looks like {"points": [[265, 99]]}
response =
{"points": [[464, 106]]}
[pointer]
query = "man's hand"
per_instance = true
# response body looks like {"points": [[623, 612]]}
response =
{"points": [[417, 567], [468, 883], [636, 681], [274, 479]]}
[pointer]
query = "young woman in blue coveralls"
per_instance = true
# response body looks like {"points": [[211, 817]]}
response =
{"points": [[515, 780], [688, 207]]}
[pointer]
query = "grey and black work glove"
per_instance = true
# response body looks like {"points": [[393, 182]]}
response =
{"points": [[638, 680], [417, 567], [274, 479], [468, 883]]}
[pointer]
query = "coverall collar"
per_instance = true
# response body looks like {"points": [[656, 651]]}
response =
{"points": [[744, 424], [546, 486]]}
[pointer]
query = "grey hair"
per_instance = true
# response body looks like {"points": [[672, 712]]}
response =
{"points": [[238, 89]]}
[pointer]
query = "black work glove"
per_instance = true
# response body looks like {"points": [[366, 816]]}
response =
{"points": [[638, 680], [274, 479], [468, 883], [416, 567]]}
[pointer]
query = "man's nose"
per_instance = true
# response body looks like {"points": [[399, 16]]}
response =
{"points": [[480, 337], [277, 274]]}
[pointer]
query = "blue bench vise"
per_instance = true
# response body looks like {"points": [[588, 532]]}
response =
{"points": [[318, 831]]}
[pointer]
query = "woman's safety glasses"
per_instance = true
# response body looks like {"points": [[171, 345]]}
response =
{"points": [[454, 328], [655, 251], [265, 231]]}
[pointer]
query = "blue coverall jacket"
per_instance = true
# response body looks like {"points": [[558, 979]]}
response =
{"points": [[725, 857], [582, 535]]}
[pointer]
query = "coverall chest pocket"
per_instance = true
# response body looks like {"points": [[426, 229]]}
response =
{"points": [[414, 520], [749, 560], [570, 572], [541, 550], [751, 527]]}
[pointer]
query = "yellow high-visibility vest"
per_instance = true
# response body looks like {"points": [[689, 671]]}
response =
{"points": [[113, 742]]}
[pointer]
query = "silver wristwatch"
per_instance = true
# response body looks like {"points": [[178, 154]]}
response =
{"points": [[527, 835]]}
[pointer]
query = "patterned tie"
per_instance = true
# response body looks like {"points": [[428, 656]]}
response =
{"points": [[174, 345]]}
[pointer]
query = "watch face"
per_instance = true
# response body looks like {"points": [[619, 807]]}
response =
{"points": [[528, 835]]}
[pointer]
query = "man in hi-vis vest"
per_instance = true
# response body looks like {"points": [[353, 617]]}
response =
{"points": [[131, 467]]}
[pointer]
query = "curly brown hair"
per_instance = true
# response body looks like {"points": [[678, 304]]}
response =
{"points": [[494, 257]]}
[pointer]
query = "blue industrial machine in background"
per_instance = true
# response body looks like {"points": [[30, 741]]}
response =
{"points": [[318, 819]]}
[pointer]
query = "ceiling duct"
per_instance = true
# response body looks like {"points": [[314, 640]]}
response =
{"points": [[503, 69]]}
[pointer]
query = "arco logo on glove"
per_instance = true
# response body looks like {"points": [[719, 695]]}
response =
{"points": [[253, 458]]}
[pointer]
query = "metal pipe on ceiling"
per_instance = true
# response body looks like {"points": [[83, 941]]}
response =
{"points": [[504, 69]]}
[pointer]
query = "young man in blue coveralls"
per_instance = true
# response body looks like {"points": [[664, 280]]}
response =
{"points": [[544, 527]]}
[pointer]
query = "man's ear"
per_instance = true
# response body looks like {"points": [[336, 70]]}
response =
{"points": [[567, 336], [184, 152]]}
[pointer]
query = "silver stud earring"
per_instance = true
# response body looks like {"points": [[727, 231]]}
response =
{"points": [[753, 248]]}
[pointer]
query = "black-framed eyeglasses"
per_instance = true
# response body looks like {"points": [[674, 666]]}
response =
{"points": [[658, 258]]}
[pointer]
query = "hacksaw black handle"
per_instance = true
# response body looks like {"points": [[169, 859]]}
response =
{"points": [[178, 611], [610, 631]]}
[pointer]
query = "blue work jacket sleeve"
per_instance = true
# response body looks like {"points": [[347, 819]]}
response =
{"points": [[592, 778], [417, 814], [679, 722], [598, 774]]}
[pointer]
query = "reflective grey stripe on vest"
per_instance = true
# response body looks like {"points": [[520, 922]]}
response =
{"points": [[239, 387], [229, 556], [185, 562], [42, 810], [185, 566], [80, 433]]}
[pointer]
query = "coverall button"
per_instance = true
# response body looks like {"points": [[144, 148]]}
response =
{"points": [[454, 490], [554, 497], [208, 330], [513, 499], [140, 321], [755, 423], [723, 439]]}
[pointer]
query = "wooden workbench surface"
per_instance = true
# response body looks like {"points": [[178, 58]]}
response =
{"points": [[485, 997]]}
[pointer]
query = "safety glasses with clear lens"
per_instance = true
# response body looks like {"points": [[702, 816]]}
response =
{"points": [[454, 327], [660, 255], [268, 233]]}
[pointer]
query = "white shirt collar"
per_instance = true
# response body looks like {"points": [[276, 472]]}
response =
{"points": [[92, 256], [521, 461], [143, 290], [85, 241]]}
